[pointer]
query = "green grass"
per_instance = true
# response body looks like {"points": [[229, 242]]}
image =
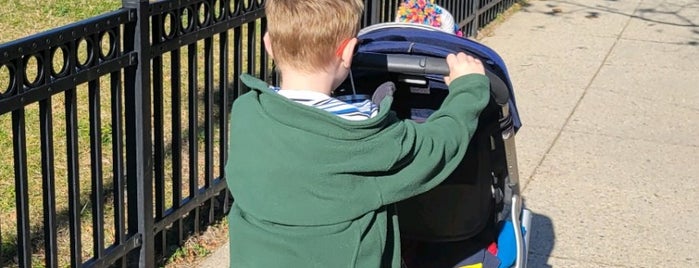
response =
{"points": [[22, 18]]}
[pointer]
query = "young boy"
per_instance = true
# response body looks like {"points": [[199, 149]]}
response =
{"points": [[314, 187]]}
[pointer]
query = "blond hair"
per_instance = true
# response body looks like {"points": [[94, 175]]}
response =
{"points": [[306, 33]]}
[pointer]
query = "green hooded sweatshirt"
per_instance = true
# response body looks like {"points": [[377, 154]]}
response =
{"points": [[312, 189]]}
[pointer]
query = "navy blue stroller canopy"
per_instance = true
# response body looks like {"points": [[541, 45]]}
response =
{"points": [[400, 39]]}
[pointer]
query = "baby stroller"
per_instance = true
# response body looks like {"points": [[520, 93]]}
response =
{"points": [[480, 201]]}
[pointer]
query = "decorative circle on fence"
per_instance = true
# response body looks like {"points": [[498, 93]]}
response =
{"points": [[7, 74], [187, 19], [59, 61], [108, 45], [233, 7], [33, 70], [169, 25], [219, 10], [204, 16], [84, 55]]}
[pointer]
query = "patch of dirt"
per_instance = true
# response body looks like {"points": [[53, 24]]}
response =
{"points": [[199, 247], [489, 30]]}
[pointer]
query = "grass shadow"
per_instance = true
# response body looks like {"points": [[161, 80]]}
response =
{"points": [[9, 252]]}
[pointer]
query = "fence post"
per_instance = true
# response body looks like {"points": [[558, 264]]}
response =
{"points": [[139, 160]]}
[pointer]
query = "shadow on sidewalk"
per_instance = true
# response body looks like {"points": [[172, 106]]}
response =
{"points": [[662, 14], [542, 241]]}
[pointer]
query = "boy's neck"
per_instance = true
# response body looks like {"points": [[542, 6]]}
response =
{"points": [[321, 82]]}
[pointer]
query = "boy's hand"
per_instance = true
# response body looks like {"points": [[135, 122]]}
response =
{"points": [[462, 64]]}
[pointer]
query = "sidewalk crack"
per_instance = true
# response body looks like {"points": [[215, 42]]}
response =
{"points": [[580, 99]]}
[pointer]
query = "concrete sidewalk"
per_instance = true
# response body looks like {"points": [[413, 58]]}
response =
{"points": [[609, 95], [608, 92]]}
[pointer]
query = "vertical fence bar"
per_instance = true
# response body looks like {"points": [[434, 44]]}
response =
{"points": [[389, 10], [47, 183], [384, 11], [159, 149], [365, 20], [461, 12], [252, 48], [484, 14], [193, 127], [158, 133], [208, 121], [175, 71], [118, 158], [374, 11], [493, 11], [475, 22], [48, 176], [237, 61], [223, 108], [96, 193], [96, 165], [497, 8], [19, 141], [74, 205], [264, 71], [138, 138]]}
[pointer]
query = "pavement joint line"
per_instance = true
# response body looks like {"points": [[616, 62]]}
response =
{"points": [[579, 101]]}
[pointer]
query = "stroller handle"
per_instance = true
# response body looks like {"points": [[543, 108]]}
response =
{"points": [[398, 63], [422, 65]]}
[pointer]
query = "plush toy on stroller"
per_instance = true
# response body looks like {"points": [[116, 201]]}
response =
{"points": [[476, 217]]}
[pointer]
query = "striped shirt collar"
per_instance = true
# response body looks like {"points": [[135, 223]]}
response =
{"points": [[359, 108]]}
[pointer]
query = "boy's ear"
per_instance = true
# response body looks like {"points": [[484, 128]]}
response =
{"points": [[268, 45], [348, 53]]}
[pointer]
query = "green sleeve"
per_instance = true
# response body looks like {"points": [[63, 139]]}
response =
{"points": [[427, 153]]}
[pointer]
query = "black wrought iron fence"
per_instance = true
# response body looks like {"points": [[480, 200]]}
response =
{"points": [[130, 112]]}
